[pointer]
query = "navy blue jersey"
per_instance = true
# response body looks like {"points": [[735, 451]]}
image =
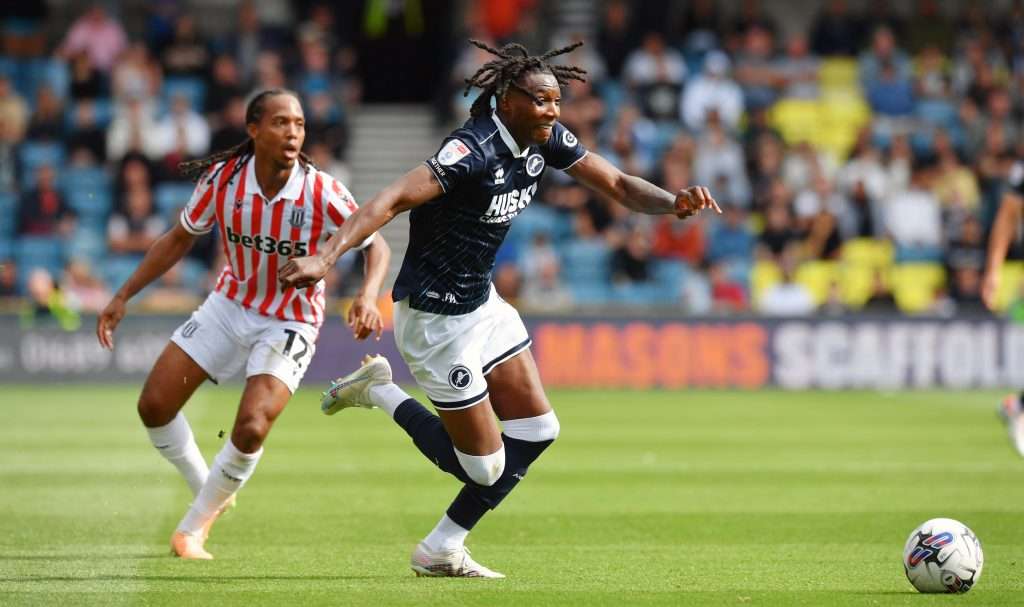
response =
{"points": [[487, 181]]}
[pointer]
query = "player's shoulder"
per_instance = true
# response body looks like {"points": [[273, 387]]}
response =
{"points": [[562, 136], [476, 135], [332, 187]]}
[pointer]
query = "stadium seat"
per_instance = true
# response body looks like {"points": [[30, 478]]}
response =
{"points": [[1012, 278], [192, 88], [8, 214], [585, 270], [88, 192], [914, 285], [171, 196], [872, 252], [817, 276], [39, 252], [538, 218], [116, 270], [88, 244], [836, 72], [52, 73], [796, 119], [763, 275], [669, 277], [34, 154], [648, 294]]}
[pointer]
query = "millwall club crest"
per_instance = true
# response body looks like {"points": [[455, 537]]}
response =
{"points": [[297, 217], [534, 165]]}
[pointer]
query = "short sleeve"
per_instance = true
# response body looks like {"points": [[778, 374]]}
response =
{"points": [[563, 149], [340, 206], [458, 161], [199, 215]]}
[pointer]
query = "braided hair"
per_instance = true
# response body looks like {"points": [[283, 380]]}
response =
{"points": [[195, 169], [513, 60]]}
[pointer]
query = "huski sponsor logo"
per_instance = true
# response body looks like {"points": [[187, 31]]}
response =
{"points": [[506, 206]]}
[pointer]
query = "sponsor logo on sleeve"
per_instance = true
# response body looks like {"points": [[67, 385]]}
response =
{"points": [[569, 139], [452, 152], [534, 165]]}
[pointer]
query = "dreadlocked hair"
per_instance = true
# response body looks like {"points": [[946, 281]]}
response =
{"points": [[195, 169], [513, 60]]}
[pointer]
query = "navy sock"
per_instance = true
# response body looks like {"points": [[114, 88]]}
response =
{"points": [[430, 437], [473, 502]]}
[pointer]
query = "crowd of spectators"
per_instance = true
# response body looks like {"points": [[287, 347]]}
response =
{"points": [[94, 123], [870, 135], [871, 130]]}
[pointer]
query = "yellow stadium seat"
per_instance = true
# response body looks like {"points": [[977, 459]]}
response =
{"points": [[763, 275], [817, 277], [856, 283], [796, 119], [839, 73], [872, 252], [1010, 284], [914, 285]]}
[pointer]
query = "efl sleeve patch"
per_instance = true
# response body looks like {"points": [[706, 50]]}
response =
{"points": [[455, 163]]}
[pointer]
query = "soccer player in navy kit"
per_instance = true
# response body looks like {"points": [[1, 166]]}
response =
{"points": [[466, 347], [1004, 229]]}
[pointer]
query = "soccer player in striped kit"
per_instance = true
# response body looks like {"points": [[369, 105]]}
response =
{"points": [[467, 348], [269, 203]]}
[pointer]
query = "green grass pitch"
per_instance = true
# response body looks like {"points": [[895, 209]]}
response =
{"points": [[672, 498]]}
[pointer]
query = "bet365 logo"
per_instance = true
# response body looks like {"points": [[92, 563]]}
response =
{"points": [[268, 244]]}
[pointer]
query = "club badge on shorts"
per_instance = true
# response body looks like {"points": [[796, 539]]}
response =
{"points": [[459, 377], [189, 329]]}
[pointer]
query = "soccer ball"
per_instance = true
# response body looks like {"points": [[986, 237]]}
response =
{"points": [[943, 555]]}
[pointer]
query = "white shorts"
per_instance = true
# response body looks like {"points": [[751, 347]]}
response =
{"points": [[222, 336], [450, 356]]}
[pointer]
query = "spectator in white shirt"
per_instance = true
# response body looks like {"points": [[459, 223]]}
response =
{"points": [[714, 91]]}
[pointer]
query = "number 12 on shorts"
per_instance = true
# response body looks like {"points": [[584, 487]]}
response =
{"points": [[305, 352]]}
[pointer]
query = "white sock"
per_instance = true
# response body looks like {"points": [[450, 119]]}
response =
{"points": [[231, 468], [447, 535], [176, 443], [388, 397]]}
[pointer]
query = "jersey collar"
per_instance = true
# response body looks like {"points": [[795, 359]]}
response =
{"points": [[507, 137], [292, 190]]}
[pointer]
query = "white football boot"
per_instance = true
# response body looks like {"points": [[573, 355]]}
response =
{"points": [[1010, 411], [353, 390], [448, 563]]}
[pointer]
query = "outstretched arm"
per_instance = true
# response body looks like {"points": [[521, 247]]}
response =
{"points": [[639, 194], [165, 252], [1003, 231], [363, 316], [408, 191]]}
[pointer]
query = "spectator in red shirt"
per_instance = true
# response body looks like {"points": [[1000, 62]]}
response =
{"points": [[42, 210]]}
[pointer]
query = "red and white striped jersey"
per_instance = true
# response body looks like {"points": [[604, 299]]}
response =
{"points": [[259, 235]]}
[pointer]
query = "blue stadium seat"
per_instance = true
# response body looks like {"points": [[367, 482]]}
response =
{"points": [[669, 276], [39, 252], [585, 270], [89, 192], [88, 244], [102, 108], [192, 88], [116, 270], [34, 154], [8, 214], [6, 248], [537, 218], [643, 294], [171, 196]]}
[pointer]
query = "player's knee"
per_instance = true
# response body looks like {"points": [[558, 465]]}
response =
{"points": [[539, 429], [153, 411], [250, 432], [483, 469]]}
